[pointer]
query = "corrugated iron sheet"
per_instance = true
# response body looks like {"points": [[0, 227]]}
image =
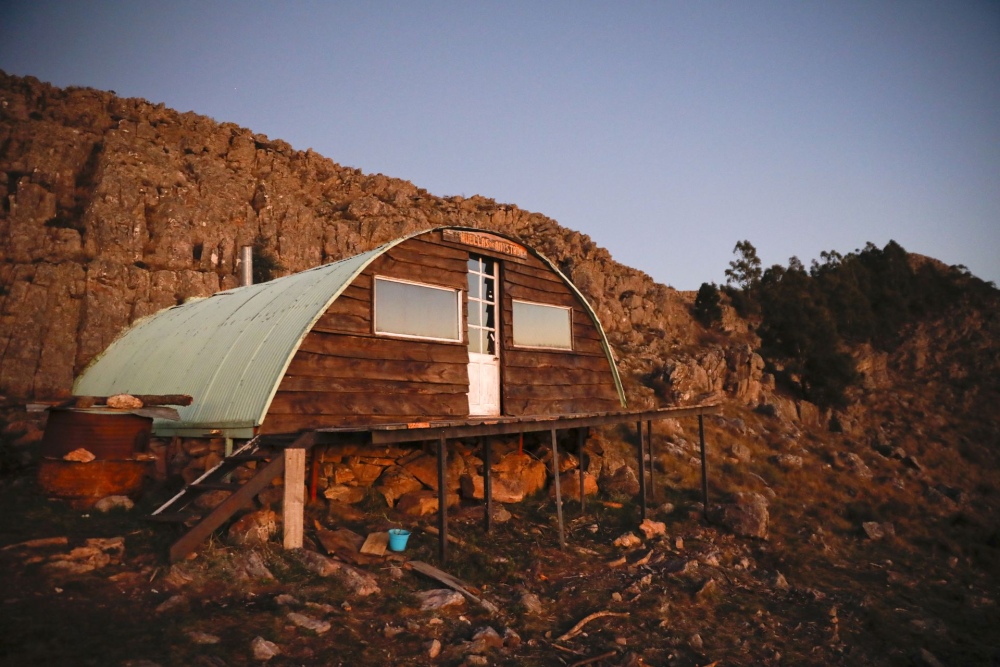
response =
{"points": [[228, 351]]}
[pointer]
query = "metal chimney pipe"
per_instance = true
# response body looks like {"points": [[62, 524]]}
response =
{"points": [[245, 265]]}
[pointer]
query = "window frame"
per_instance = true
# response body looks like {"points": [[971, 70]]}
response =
{"points": [[522, 346], [459, 303]]}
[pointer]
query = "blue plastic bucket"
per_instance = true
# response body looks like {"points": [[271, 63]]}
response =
{"points": [[398, 538]]}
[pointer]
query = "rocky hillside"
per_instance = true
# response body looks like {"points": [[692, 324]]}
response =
{"points": [[867, 535]]}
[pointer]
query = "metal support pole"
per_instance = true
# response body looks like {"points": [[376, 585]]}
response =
{"points": [[245, 265], [488, 484], [442, 500], [652, 467], [704, 466], [581, 441], [555, 475], [642, 473]]}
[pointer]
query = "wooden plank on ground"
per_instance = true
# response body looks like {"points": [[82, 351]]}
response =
{"points": [[439, 575], [376, 544], [293, 507]]}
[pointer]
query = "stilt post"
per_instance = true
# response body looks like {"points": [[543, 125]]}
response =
{"points": [[652, 471], [581, 441], [293, 507], [642, 473], [442, 500], [555, 475], [704, 466], [488, 484]]}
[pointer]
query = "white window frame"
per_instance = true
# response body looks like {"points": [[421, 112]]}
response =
{"points": [[522, 346], [391, 334]]}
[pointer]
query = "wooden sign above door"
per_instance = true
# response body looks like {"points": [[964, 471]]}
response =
{"points": [[485, 241]]}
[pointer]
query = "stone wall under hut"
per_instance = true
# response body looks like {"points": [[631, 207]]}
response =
{"points": [[402, 477]]}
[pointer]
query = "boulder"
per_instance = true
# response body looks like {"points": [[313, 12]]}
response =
{"points": [[747, 515]]}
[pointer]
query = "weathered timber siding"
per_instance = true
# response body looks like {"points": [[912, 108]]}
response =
{"points": [[547, 382], [343, 374]]}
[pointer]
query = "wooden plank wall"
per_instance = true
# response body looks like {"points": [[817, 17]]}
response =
{"points": [[543, 382], [345, 375]]}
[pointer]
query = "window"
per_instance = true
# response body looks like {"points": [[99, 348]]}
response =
{"points": [[417, 311], [542, 325]]}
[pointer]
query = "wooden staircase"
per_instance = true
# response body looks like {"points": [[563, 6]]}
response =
{"points": [[267, 451]]}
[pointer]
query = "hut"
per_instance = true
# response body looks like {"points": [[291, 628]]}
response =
{"points": [[443, 324]]}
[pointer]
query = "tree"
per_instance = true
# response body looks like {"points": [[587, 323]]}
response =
{"points": [[745, 270], [706, 305]]}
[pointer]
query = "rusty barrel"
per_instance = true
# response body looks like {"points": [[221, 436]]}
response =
{"points": [[114, 437], [107, 434]]}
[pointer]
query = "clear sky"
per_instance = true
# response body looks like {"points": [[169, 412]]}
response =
{"points": [[667, 131]]}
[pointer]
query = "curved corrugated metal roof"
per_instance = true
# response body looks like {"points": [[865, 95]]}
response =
{"points": [[230, 350]]}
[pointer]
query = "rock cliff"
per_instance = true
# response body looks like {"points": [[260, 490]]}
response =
{"points": [[115, 208]]}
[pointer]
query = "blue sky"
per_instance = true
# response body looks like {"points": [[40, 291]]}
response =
{"points": [[667, 131]]}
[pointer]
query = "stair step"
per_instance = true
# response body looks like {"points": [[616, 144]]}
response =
{"points": [[215, 486], [174, 517], [251, 456]]}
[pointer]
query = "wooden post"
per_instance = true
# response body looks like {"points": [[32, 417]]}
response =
{"points": [[555, 475], [293, 508], [704, 467], [581, 441], [488, 484], [442, 500], [652, 468], [642, 473]]}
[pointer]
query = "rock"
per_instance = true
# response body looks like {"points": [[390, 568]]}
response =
{"points": [[623, 481], [485, 639], [359, 583], [876, 531], [422, 503], [504, 489], [203, 638], [696, 642], [929, 659], [263, 650], [741, 453], [747, 515], [855, 464], [522, 472], [706, 589], [80, 455], [627, 541], [252, 565], [123, 402], [439, 598], [789, 461], [532, 603], [286, 600], [308, 622], [433, 648], [653, 529], [780, 583], [569, 485], [344, 494], [511, 639], [395, 482], [109, 503], [173, 603], [254, 528]]}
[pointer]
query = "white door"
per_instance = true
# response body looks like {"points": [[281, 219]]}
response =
{"points": [[484, 351]]}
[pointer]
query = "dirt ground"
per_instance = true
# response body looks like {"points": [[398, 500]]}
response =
{"points": [[816, 591]]}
